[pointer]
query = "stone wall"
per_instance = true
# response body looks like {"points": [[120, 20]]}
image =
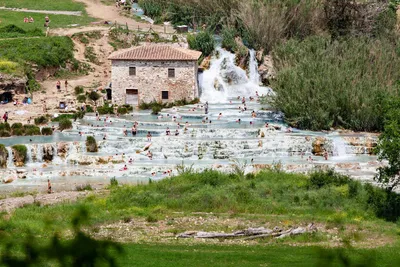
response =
{"points": [[152, 78]]}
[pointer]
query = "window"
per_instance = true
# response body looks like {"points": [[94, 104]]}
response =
{"points": [[171, 73], [164, 95], [132, 71]]}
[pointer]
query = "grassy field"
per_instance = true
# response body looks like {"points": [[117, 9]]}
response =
{"points": [[343, 210], [43, 51], [62, 5], [57, 21]]}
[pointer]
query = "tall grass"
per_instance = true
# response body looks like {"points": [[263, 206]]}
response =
{"points": [[323, 83], [63, 5]]}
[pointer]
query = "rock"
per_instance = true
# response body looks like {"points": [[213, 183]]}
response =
{"points": [[62, 149], [12, 84], [318, 146], [19, 155], [267, 70], [48, 152], [205, 64], [3, 156], [9, 179]]}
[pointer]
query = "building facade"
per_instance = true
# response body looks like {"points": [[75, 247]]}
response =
{"points": [[154, 73]]}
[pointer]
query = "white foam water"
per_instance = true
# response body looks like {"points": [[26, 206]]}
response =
{"points": [[224, 79]]}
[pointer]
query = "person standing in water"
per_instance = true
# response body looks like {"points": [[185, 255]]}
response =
{"points": [[49, 187], [206, 107]]}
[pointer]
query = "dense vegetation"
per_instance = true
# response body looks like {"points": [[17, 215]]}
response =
{"points": [[18, 129], [323, 83]]}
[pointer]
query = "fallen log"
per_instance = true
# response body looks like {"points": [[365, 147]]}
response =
{"points": [[250, 233]]}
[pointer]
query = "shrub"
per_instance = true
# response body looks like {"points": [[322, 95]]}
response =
{"points": [[78, 115], [17, 125], [41, 120], [84, 187], [94, 96], [228, 39], [63, 116], [4, 133], [5, 126], [31, 129], [47, 131], [64, 124], [81, 98], [89, 108], [203, 41], [20, 152], [122, 110], [91, 145], [78, 90], [18, 131], [320, 179], [106, 109], [113, 182]]}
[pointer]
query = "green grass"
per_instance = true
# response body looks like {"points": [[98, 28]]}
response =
{"points": [[56, 21], [223, 255], [43, 51], [269, 197], [62, 5]]}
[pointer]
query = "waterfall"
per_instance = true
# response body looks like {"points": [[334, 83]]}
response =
{"points": [[29, 154], [340, 147], [253, 68], [224, 79], [10, 160]]}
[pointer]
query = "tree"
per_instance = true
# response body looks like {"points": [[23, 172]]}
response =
{"points": [[389, 146]]}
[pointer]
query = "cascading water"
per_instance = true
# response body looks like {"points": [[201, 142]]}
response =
{"points": [[10, 160], [224, 79], [253, 68], [340, 147]]}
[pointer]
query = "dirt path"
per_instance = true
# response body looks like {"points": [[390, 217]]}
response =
{"points": [[96, 9]]}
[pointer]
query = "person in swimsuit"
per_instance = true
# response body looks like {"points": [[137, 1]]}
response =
{"points": [[134, 130], [168, 132], [58, 86], [49, 186]]}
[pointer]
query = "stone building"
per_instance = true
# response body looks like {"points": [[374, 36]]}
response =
{"points": [[161, 73]]}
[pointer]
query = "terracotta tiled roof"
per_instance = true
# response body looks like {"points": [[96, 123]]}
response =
{"points": [[157, 52]]}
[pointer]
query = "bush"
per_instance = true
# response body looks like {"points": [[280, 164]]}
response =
{"points": [[63, 116], [17, 125], [106, 109], [84, 187], [20, 152], [203, 41], [5, 126], [228, 39], [78, 90], [94, 96], [47, 131], [4, 133], [320, 179], [113, 182], [31, 129], [64, 124], [91, 145], [122, 110], [41, 120], [81, 98], [89, 108], [78, 115]]}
